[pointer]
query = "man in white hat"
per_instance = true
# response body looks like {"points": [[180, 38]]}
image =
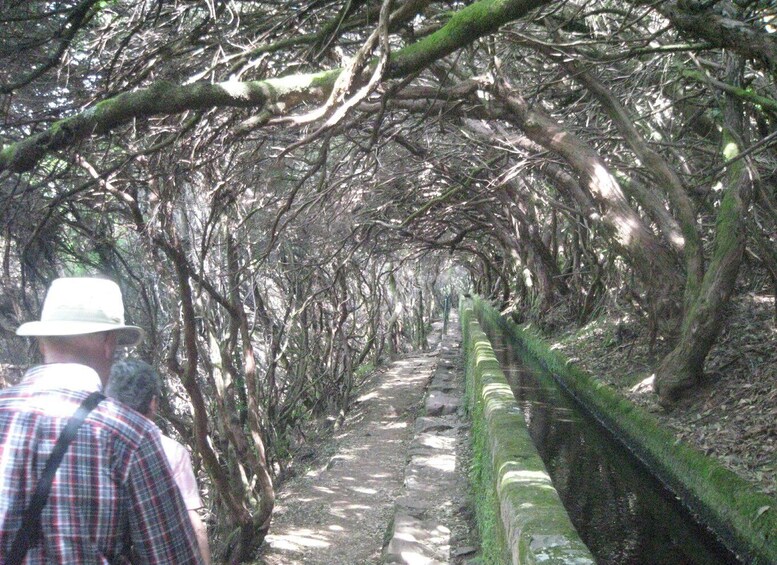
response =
{"points": [[113, 487]]}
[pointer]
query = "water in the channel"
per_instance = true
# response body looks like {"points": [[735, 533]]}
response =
{"points": [[621, 511]]}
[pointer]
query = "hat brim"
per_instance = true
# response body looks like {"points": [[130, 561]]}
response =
{"points": [[126, 335]]}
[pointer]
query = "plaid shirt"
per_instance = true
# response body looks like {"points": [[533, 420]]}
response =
{"points": [[113, 485]]}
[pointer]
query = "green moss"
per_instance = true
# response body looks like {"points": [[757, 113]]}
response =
{"points": [[8, 153], [748, 94], [481, 477], [325, 79], [389, 533], [729, 229], [515, 497], [492, 543], [730, 505], [464, 26], [364, 370]]}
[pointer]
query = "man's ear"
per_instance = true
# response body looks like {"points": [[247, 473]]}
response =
{"points": [[153, 407]]}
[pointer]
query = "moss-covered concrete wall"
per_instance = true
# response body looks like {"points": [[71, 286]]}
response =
{"points": [[520, 514], [743, 517]]}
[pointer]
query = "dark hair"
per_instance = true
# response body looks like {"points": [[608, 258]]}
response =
{"points": [[134, 383]]}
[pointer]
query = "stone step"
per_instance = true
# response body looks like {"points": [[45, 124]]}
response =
{"points": [[434, 485]]}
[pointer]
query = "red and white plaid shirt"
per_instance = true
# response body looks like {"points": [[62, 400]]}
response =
{"points": [[113, 485]]}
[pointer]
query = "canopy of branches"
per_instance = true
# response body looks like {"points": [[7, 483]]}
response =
{"points": [[288, 190]]}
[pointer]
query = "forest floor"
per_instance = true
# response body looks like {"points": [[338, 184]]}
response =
{"points": [[733, 417]]}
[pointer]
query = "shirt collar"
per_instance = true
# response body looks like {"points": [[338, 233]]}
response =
{"points": [[67, 376]]}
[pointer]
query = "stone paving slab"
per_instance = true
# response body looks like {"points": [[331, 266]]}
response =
{"points": [[434, 484]]}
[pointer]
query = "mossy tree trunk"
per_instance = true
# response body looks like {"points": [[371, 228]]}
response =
{"points": [[681, 371], [268, 98]]}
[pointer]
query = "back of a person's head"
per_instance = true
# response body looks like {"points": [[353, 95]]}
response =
{"points": [[82, 306], [134, 383]]}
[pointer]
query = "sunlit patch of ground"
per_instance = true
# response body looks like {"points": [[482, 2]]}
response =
{"points": [[338, 512], [298, 540]]}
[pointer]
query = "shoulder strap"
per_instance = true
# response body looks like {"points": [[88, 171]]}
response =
{"points": [[30, 528]]}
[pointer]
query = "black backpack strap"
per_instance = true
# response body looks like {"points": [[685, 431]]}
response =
{"points": [[30, 529]]}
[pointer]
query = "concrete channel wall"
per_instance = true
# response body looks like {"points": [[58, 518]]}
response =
{"points": [[744, 518], [520, 514]]}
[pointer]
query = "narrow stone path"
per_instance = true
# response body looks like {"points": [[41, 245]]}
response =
{"points": [[340, 513], [394, 488], [433, 521]]}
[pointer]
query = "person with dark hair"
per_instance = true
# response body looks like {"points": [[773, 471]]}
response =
{"points": [[82, 477], [136, 384]]}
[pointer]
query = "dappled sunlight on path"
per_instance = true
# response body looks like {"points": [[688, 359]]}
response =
{"points": [[339, 513]]}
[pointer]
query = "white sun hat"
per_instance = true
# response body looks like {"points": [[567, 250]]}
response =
{"points": [[83, 305]]}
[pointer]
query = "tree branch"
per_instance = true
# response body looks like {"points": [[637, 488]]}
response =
{"points": [[283, 94]]}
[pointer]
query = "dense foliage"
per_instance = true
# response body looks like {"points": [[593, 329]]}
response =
{"points": [[288, 190]]}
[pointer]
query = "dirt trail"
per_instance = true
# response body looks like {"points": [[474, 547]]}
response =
{"points": [[339, 513]]}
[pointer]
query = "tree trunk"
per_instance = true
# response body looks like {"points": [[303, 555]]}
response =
{"points": [[666, 177], [703, 20], [235, 502], [682, 369], [656, 266], [260, 520]]}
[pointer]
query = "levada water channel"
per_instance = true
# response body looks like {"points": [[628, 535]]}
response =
{"points": [[622, 512]]}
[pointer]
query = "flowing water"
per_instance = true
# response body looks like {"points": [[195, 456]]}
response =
{"points": [[620, 510]]}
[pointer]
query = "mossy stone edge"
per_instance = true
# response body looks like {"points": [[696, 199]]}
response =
{"points": [[744, 518], [535, 527]]}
